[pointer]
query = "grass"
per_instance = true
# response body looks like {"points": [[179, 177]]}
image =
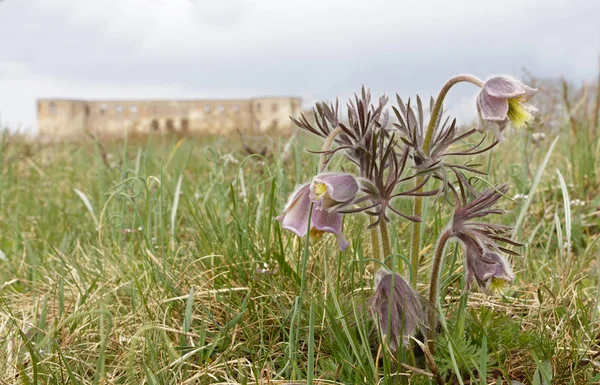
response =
{"points": [[159, 261]]}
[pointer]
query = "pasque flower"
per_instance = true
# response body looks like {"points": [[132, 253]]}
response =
{"points": [[332, 190], [502, 101], [295, 215], [489, 269], [485, 263], [398, 308]]}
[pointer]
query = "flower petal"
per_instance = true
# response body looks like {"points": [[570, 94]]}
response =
{"points": [[484, 266], [529, 92], [297, 194], [504, 88], [497, 127], [502, 267], [342, 241], [295, 215], [323, 220], [340, 187], [491, 108]]}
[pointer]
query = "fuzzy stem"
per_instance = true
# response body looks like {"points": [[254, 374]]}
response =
{"points": [[439, 101], [418, 204], [385, 240], [434, 285], [326, 145], [375, 242], [416, 238]]}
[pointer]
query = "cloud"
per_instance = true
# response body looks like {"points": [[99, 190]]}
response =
{"points": [[223, 13], [315, 49]]}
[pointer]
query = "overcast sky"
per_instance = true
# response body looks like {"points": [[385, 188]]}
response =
{"points": [[314, 49]]}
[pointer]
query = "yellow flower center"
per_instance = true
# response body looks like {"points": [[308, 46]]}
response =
{"points": [[518, 115], [315, 234], [498, 284], [320, 190]]}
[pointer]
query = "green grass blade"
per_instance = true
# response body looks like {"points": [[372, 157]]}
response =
{"points": [[310, 371], [88, 204], [567, 207], [483, 361], [174, 208]]}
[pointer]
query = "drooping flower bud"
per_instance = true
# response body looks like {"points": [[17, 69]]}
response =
{"points": [[398, 309], [482, 240]]}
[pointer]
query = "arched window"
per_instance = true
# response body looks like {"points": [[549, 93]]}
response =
{"points": [[133, 109], [52, 108]]}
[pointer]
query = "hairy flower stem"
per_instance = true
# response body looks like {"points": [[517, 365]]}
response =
{"points": [[434, 285], [385, 241], [439, 101], [418, 205], [375, 242], [416, 237], [326, 145]]}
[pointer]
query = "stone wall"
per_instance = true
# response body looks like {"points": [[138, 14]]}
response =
{"points": [[61, 117], [72, 118]]}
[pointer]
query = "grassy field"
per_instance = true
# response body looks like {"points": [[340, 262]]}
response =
{"points": [[159, 261]]}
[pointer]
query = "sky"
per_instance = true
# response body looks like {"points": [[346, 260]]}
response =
{"points": [[319, 50]]}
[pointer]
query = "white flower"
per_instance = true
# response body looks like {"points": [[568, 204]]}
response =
{"points": [[519, 197], [538, 136], [577, 203]]}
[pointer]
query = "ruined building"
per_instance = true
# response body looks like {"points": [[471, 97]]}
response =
{"points": [[63, 118]]}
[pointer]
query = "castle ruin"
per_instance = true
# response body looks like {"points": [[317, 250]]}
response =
{"points": [[64, 118]]}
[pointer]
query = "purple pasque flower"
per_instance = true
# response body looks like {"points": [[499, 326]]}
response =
{"points": [[398, 309], [333, 190], [490, 270], [502, 101], [485, 263], [295, 218]]}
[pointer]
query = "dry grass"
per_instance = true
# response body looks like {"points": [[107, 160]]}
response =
{"points": [[132, 299]]}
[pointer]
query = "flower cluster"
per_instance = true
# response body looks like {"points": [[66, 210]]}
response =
{"points": [[400, 160]]}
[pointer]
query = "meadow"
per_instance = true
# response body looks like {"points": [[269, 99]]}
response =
{"points": [[158, 261]]}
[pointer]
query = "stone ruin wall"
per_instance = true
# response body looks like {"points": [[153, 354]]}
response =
{"points": [[61, 118]]}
